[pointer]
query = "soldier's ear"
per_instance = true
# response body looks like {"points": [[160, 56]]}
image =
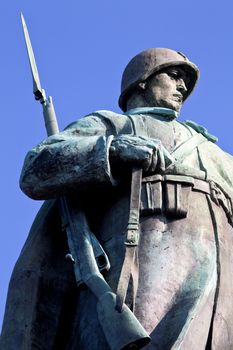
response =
{"points": [[142, 86]]}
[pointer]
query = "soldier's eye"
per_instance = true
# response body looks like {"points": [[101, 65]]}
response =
{"points": [[173, 75]]}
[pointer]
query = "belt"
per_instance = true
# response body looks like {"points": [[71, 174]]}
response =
{"points": [[196, 184], [201, 186], [169, 194]]}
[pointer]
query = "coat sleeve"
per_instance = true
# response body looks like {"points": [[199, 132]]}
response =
{"points": [[73, 159]]}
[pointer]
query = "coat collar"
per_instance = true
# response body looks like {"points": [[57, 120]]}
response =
{"points": [[161, 111]]}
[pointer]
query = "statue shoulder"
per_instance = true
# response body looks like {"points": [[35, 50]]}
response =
{"points": [[201, 130], [116, 123]]}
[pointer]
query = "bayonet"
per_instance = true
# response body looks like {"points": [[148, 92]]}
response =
{"points": [[37, 90], [48, 108]]}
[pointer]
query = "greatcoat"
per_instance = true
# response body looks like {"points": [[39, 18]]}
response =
{"points": [[185, 255]]}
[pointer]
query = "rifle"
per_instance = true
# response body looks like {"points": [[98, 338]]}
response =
{"points": [[121, 328], [51, 126]]}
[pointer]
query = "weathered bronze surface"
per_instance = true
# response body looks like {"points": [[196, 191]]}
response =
{"points": [[178, 277]]}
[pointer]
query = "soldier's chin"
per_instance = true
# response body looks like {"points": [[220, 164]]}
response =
{"points": [[175, 105]]}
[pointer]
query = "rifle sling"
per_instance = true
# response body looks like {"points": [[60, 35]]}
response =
{"points": [[129, 267]]}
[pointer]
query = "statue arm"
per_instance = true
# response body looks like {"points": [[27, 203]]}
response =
{"points": [[75, 158], [80, 157]]}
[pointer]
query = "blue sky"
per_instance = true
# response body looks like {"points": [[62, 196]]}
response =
{"points": [[81, 48]]}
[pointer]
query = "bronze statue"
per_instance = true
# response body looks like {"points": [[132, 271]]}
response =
{"points": [[177, 277]]}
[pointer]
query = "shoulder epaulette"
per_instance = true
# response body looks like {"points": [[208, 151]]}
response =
{"points": [[201, 130]]}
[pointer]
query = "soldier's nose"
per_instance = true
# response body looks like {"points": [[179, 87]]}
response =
{"points": [[181, 86]]}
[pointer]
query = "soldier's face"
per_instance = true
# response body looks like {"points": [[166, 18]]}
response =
{"points": [[167, 88]]}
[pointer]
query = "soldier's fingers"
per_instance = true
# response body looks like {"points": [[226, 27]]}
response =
{"points": [[154, 160], [146, 163]]}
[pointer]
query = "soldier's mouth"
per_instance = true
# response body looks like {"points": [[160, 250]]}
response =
{"points": [[178, 97]]}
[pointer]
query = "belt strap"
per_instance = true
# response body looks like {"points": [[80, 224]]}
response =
{"points": [[130, 266], [202, 186], [186, 148]]}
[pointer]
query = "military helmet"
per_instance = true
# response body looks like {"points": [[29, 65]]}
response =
{"points": [[151, 61]]}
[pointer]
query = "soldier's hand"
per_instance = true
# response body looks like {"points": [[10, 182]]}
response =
{"points": [[147, 153]]}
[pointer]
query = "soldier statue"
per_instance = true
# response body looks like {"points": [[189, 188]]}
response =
{"points": [[178, 279]]}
